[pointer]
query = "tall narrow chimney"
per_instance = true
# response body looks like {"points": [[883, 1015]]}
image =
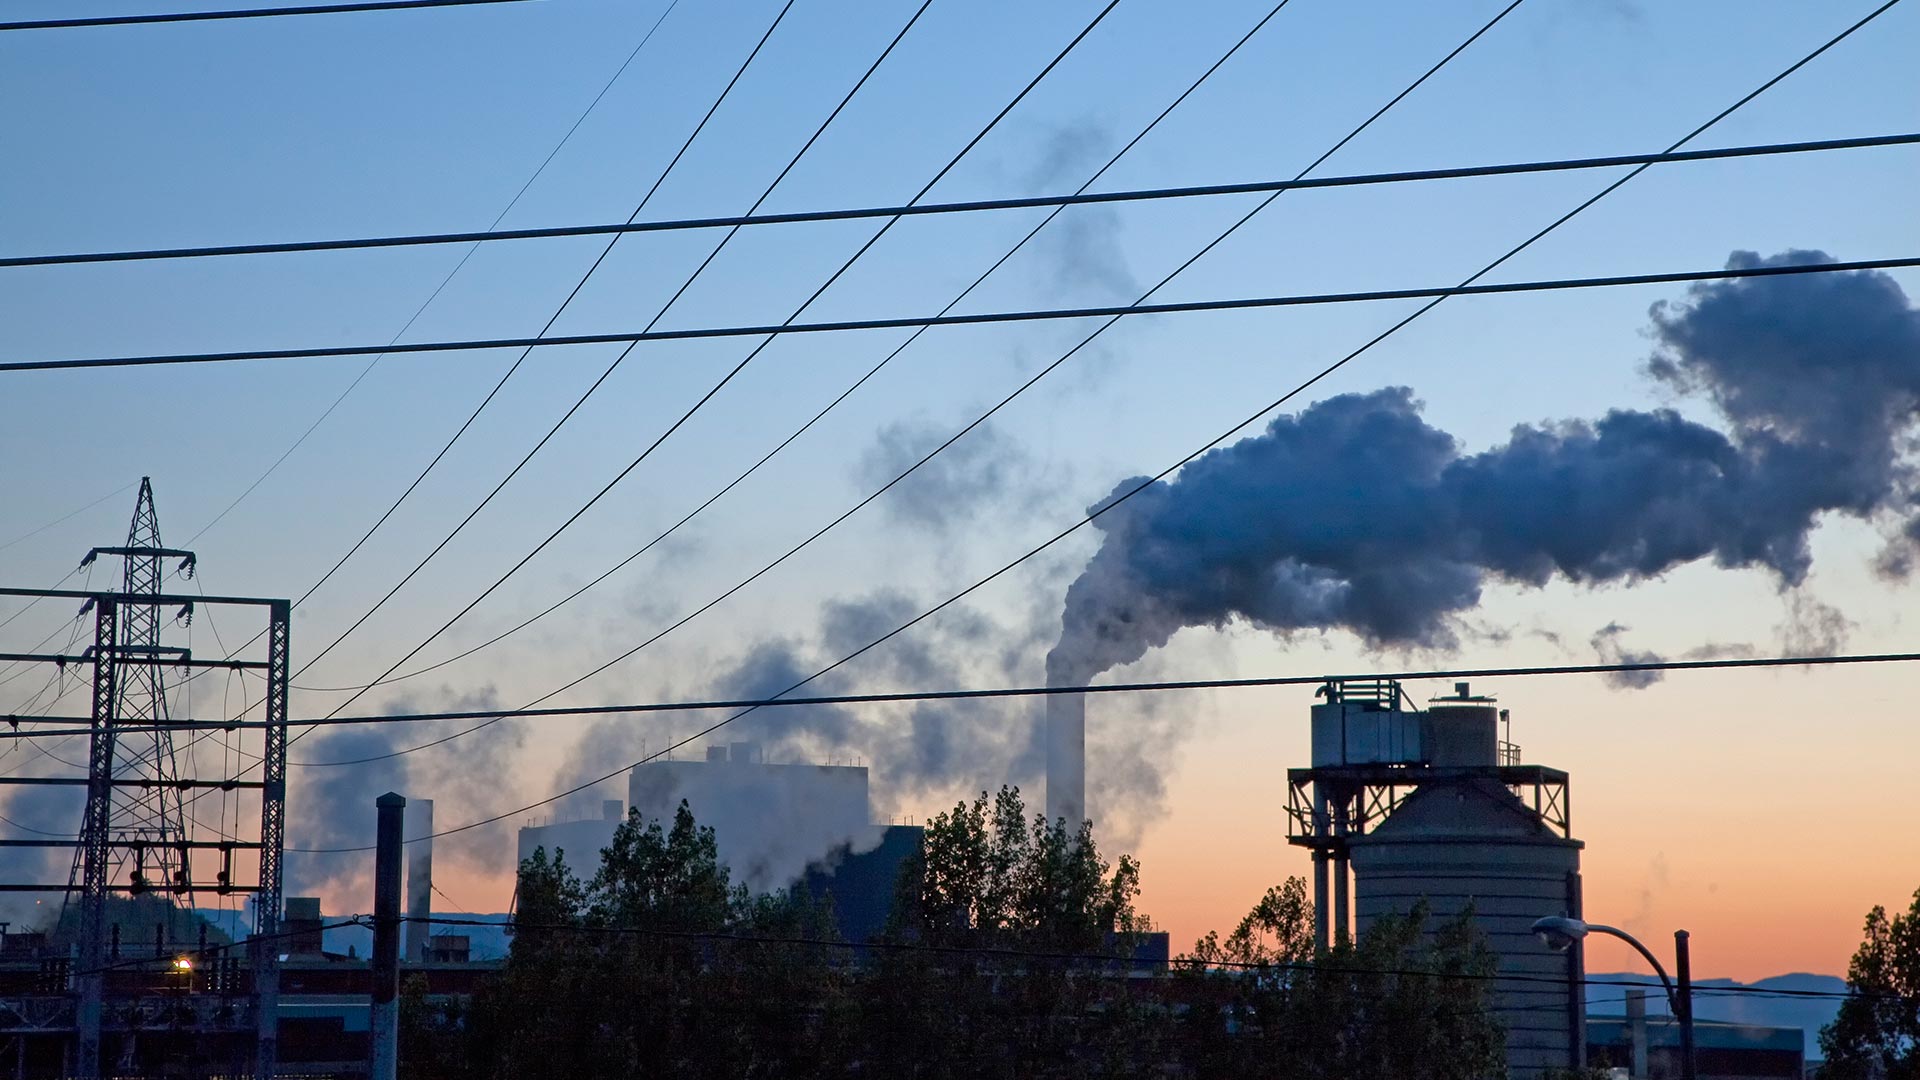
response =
{"points": [[419, 819], [1067, 759]]}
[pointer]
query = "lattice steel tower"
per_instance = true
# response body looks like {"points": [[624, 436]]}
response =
{"points": [[139, 836], [146, 820]]}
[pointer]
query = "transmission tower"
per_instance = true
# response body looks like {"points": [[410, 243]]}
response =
{"points": [[148, 822], [138, 834]]}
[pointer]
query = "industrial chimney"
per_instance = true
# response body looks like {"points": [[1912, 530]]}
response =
{"points": [[419, 835], [1067, 759]]}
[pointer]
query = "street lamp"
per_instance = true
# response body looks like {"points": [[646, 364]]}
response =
{"points": [[1560, 933]]}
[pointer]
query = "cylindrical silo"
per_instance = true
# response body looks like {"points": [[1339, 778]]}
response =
{"points": [[1471, 844]]}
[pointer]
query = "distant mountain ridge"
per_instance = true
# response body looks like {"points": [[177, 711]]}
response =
{"points": [[1807, 1013]]}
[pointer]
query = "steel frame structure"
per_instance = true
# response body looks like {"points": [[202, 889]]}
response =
{"points": [[1329, 805], [101, 839]]}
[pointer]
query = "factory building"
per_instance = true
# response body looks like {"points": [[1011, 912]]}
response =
{"points": [[576, 842], [770, 820], [1404, 806], [776, 825]]}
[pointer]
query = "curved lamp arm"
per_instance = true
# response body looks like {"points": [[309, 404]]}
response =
{"points": [[1673, 997]]}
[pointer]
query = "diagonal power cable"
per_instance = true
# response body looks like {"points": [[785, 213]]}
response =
{"points": [[1229, 433], [796, 549], [621, 358], [850, 390], [729, 376], [358, 6], [515, 366], [444, 282], [1081, 197], [364, 372]]}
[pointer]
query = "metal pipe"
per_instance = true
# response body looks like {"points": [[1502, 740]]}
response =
{"points": [[384, 1063], [1322, 919], [1683, 968]]}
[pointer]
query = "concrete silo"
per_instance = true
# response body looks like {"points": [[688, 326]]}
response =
{"points": [[1404, 805]]}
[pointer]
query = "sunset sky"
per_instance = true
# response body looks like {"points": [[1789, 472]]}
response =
{"points": [[1763, 811]]}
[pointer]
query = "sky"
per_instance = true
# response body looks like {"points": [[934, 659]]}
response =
{"points": [[1761, 811]]}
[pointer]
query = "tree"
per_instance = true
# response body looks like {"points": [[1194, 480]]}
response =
{"points": [[658, 965], [1277, 933], [1876, 1035], [1010, 955], [1403, 1000]]}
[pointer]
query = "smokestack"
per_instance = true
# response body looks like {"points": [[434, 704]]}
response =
{"points": [[384, 1038], [1356, 515], [419, 819], [1067, 759]]}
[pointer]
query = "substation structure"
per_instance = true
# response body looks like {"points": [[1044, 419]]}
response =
{"points": [[75, 999]]}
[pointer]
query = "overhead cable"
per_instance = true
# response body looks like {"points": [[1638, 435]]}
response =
{"points": [[811, 140], [768, 567], [607, 373], [1109, 504], [723, 381], [1005, 692], [62, 518], [838, 399], [993, 317], [444, 281], [1121, 498], [242, 13], [1080, 198], [500, 383]]}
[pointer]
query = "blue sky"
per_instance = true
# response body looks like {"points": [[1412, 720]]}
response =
{"points": [[409, 122]]}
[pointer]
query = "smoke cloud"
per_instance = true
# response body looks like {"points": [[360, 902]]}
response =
{"points": [[971, 476], [1081, 249], [332, 806], [1355, 514], [914, 750], [1606, 645]]}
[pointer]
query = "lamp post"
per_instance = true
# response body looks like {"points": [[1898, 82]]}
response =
{"points": [[1560, 932]]}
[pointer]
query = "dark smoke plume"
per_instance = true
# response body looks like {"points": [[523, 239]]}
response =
{"points": [[332, 806], [1355, 514], [1609, 648]]}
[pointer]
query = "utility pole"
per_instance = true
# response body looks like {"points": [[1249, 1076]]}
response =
{"points": [[385, 1063]]}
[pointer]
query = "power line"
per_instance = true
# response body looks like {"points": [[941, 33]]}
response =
{"points": [[243, 13], [64, 517], [445, 281], [1355, 133], [515, 366], [609, 370], [1115, 313], [1110, 503], [995, 575], [621, 358], [1078, 198], [1075, 690], [731, 373], [1335, 148], [987, 318], [851, 389]]}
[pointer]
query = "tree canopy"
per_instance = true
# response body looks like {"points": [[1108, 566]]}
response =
{"points": [[1876, 1035], [1014, 949]]}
